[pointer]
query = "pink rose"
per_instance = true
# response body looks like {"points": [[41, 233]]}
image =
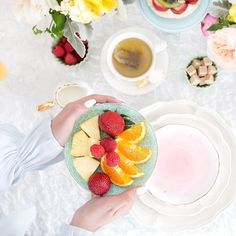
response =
{"points": [[222, 48], [208, 21]]}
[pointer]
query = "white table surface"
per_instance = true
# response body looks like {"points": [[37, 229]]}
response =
{"points": [[53, 191]]}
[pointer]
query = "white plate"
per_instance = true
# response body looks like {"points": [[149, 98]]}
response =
{"points": [[130, 88], [216, 138], [149, 217]]}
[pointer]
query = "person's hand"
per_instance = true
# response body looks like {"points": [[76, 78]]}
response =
{"points": [[62, 124], [100, 211]]}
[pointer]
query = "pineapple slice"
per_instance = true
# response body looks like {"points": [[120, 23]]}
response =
{"points": [[91, 142], [91, 128], [80, 144], [85, 166]]}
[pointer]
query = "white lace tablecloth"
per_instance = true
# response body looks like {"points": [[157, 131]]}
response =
{"points": [[33, 76]]}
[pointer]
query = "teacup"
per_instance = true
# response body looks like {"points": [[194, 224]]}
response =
{"points": [[65, 94], [155, 49]]}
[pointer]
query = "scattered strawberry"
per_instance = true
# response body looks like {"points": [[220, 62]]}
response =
{"points": [[59, 51], [109, 144], [97, 150], [111, 123], [112, 159], [99, 183], [70, 59]]}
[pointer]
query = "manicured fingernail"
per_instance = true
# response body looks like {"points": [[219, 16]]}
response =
{"points": [[141, 190], [90, 103]]}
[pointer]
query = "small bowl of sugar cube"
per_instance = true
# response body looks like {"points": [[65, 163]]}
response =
{"points": [[201, 72]]}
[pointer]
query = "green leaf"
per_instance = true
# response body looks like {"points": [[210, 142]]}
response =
{"points": [[224, 22], [129, 122], [215, 27], [70, 30], [56, 32], [59, 19], [124, 116], [36, 30], [59, 1]]}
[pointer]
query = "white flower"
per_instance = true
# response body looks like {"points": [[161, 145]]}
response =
{"points": [[79, 12], [222, 48], [232, 1], [32, 11]]}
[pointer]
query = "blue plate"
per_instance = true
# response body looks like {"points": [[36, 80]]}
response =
{"points": [[148, 142], [174, 25]]}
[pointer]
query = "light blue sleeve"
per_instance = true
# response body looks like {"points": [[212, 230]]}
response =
{"points": [[69, 230], [19, 153]]}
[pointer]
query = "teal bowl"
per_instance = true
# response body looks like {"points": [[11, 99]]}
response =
{"points": [[148, 142], [174, 25]]}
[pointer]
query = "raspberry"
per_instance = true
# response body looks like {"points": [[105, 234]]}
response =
{"points": [[68, 47], [59, 51], [97, 150], [112, 159], [70, 59], [109, 144]]}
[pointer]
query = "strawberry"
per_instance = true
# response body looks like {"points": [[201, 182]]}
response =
{"points": [[180, 10], [99, 183], [112, 159], [111, 123], [191, 1], [97, 150], [109, 144], [68, 47], [59, 51], [70, 59]]}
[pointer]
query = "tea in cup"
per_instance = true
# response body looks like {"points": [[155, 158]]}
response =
{"points": [[132, 56]]}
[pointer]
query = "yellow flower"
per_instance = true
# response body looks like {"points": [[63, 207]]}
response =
{"points": [[3, 71], [232, 13], [98, 6], [108, 5]]}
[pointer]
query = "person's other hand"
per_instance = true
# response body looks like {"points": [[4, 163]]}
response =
{"points": [[100, 211], [62, 124]]}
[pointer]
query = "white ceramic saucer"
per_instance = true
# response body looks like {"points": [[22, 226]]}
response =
{"points": [[224, 155], [148, 216], [130, 88]]}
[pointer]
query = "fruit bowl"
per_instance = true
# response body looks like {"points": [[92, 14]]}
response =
{"points": [[177, 23], [132, 118]]}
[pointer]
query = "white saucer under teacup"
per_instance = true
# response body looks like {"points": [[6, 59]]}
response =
{"points": [[156, 73], [65, 94]]}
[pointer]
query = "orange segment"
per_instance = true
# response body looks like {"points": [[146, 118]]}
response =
{"points": [[129, 167], [135, 134], [133, 152], [116, 174]]}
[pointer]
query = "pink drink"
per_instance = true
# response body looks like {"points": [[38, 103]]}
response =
{"points": [[187, 165]]}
